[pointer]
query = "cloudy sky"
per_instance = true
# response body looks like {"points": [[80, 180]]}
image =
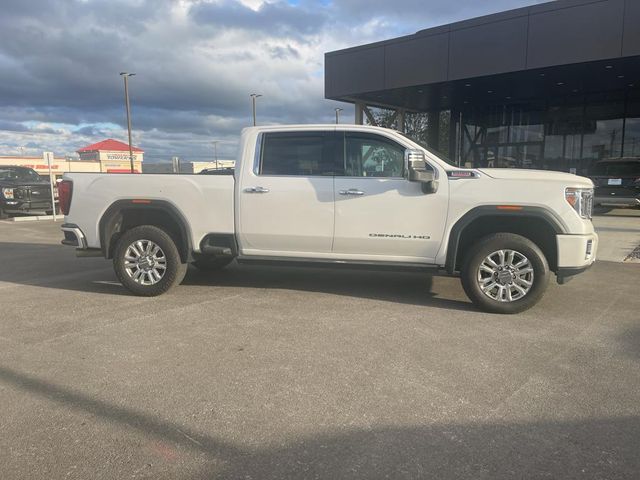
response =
{"points": [[196, 63]]}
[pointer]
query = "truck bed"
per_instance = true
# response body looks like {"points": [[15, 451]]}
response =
{"points": [[206, 200]]}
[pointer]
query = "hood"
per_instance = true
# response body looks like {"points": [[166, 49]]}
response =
{"points": [[536, 175]]}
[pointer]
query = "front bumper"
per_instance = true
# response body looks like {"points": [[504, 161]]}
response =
{"points": [[19, 206], [617, 201], [576, 253]]}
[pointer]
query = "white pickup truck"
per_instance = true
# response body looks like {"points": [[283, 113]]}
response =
{"points": [[339, 195]]}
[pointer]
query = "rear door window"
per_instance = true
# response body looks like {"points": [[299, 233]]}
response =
{"points": [[303, 154]]}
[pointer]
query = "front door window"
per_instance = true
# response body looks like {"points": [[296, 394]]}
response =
{"points": [[368, 155]]}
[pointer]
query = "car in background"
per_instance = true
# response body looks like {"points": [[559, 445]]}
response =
{"points": [[617, 182], [23, 190]]}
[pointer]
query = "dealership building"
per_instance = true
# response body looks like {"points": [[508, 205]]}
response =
{"points": [[551, 86], [110, 156]]}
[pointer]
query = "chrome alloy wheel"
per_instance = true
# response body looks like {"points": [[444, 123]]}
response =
{"points": [[145, 262], [505, 276]]}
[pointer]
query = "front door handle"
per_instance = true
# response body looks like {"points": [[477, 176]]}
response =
{"points": [[256, 190], [352, 191]]}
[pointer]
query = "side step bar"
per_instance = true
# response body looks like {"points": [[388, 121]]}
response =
{"points": [[334, 263]]}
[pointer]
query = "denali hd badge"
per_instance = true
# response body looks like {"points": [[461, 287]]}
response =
{"points": [[398, 235]]}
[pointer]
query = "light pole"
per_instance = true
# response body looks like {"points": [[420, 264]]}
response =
{"points": [[215, 150], [338, 110], [253, 102], [126, 76]]}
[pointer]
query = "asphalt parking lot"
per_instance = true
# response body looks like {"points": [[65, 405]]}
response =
{"points": [[259, 373]]}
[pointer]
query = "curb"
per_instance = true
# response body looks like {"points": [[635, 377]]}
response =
{"points": [[633, 257]]}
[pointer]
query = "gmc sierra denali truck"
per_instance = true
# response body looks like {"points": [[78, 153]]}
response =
{"points": [[339, 195]]}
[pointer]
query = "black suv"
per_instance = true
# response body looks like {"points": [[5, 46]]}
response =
{"points": [[617, 182], [22, 190]]}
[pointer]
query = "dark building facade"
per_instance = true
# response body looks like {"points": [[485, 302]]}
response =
{"points": [[551, 86]]}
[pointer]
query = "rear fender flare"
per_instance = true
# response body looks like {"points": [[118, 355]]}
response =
{"points": [[111, 223]]}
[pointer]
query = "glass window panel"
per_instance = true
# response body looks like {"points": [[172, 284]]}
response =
{"points": [[604, 111], [296, 153], [602, 139], [633, 108], [502, 157], [443, 132], [527, 133], [617, 168], [632, 138], [499, 134], [553, 147], [554, 153], [372, 156], [529, 156], [572, 149]]}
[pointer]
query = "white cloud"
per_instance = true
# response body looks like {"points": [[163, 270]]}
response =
{"points": [[196, 62]]}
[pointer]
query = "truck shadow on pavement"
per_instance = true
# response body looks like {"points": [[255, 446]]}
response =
{"points": [[418, 289], [585, 448], [56, 267]]}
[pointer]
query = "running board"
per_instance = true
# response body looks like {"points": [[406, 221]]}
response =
{"points": [[334, 263]]}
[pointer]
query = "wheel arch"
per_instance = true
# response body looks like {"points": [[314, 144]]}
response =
{"points": [[538, 224], [122, 215]]}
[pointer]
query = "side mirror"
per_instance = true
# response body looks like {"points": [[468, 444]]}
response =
{"points": [[417, 170]]}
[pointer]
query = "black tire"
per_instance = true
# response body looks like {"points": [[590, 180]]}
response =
{"points": [[208, 263], [3, 215], [493, 243], [175, 269]]}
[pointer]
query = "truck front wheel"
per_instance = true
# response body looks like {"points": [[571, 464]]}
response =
{"points": [[505, 273], [147, 262]]}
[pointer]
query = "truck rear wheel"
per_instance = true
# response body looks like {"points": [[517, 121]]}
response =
{"points": [[505, 273], [147, 262]]}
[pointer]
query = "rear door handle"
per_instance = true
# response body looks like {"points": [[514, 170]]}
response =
{"points": [[352, 191], [256, 190]]}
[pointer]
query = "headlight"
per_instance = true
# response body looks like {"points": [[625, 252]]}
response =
{"points": [[7, 193], [581, 199]]}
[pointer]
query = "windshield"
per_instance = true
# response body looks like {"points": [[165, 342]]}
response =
{"points": [[424, 145], [620, 169], [20, 174]]}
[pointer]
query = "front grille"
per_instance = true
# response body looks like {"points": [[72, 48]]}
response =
{"points": [[617, 191], [39, 194], [20, 193]]}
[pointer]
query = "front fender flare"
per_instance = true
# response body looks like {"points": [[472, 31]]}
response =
{"points": [[492, 211]]}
